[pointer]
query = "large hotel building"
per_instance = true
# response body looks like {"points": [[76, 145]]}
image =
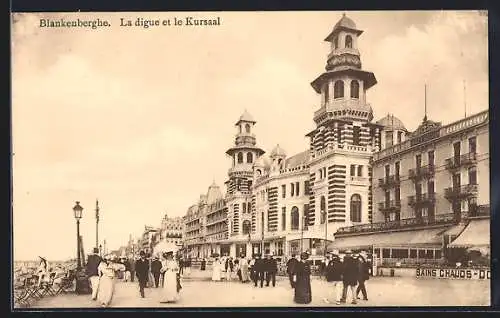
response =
{"points": [[402, 195]]}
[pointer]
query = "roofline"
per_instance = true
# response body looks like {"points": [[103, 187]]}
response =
{"points": [[339, 28], [245, 121], [316, 84]]}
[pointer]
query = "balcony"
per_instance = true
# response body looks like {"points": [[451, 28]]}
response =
{"points": [[480, 211], [442, 219], [467, 159], [390, 206], [420, 173], [388, 181], [422, 199], [460, 192]]}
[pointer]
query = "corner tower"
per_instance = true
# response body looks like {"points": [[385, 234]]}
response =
{"points": [[343, 142]]}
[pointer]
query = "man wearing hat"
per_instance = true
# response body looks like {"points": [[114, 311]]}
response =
{"points": [[364, 274], [142, 272], [333, 273], [155, 270], [259, 270], [290, 265], [302, 274], [271, 268], [92, 271], [350, 276]]}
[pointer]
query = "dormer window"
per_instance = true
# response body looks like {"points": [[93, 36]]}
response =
{"points": [[354, 89], [247, 128], [348, 42], [336, 43]]}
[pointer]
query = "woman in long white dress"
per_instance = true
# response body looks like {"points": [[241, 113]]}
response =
{"points": [[216, 270], [107, 270], [244, 270], [170, 270]]}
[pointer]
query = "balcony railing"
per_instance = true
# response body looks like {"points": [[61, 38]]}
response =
{"points": [[480, 210], [442, 219], [460, 192], [421, 172], [422, 199], [393, 205], [388, 181], [464, 160]]}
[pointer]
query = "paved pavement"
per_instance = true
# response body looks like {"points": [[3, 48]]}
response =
{"points": [[382, 291]]}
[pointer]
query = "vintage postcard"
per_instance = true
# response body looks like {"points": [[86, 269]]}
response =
{"points": [[274, 159]]}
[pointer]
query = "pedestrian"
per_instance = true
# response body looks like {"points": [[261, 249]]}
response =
{"points": [[251, 268], [151, 280], [171, 275], [349, 277], [187, 266], [229, 268], [108, 269], [271, 270], [333, 273], [142, 272], [259, 270], [42, 271], [127, 275], [302, 275], [131, 263], [290, 264], [203, 264], [93, 262], [244, 269], [181, 266], [156, 269], [216, 270], [364, 275], [237, 269]]}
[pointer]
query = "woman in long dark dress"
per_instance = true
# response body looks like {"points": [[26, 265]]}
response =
{"points": [[302, 273]]}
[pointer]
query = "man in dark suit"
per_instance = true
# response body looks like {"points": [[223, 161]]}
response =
{"points": [[155, 269], [290, 265], [350, 272], [259, 269], [91, 269], [271, 270], [142, 272]]}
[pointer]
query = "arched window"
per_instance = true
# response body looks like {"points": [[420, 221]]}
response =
{"points": [[280, 161], [259, 173], [295, 218], [338, 89], [336, 43], [322, 210], [246, 227], [354, 89], [249, 157], [247, 128], [348, 42], [356, 208], [240, 157]]}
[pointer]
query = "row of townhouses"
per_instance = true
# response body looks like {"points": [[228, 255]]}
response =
{"points": [[362, 184]]}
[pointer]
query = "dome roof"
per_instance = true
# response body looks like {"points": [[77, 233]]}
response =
{"points": [[278, 152], [192, 209], [390, 122], [346, 23], [214, 193], [246, 117]]}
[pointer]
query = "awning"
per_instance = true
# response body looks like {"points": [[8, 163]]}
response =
{"points": [[477, 233], [415, 238], [455, 230]]}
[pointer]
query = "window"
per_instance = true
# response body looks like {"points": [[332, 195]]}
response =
{"points": [[413, 253], [472, 175], [397, 194], [339, 135], [387, 171], [244, 207], [327, 93], [336, 43], [240, 157], [291, 189], [353, 170], [418, 161], [338, 89], [388, 139], [400, 137], [355, 135], [356, 208], [386, 253], [306, 187], [295, 218], [249, 184], [283, 190], [472, 145], [397, 167], [306, 217], [249, 157], [296, 188], [348, 42], [456, 149], [360, 171], [246, 226], [320, 174], [322, 210], [280, 248], [354, 89], [283, 218], [430, 156]]}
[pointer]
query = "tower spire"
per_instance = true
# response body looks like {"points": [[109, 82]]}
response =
{"points": [[425, 102]]}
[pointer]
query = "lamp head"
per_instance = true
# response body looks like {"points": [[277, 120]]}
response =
{"points": [[77, 209]]}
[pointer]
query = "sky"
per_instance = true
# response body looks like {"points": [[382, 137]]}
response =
{"points": [[141, 118]]}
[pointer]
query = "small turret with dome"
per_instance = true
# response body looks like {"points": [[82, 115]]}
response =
{"points": [[394, 131], [214, 193], [278, 156]]}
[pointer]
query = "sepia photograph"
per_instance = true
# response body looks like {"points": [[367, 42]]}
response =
{"points": [[330, 159]]}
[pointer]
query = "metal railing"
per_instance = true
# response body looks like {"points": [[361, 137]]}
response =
{"points": [[459, 161]]}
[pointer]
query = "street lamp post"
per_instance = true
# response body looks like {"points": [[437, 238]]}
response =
{"points": [[96, 223], [77, 209], [326, 230], [302, 235], [262, 237]]}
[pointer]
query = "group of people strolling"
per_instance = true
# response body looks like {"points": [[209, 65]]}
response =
{"points": [[256, 269], [102, 273]]}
